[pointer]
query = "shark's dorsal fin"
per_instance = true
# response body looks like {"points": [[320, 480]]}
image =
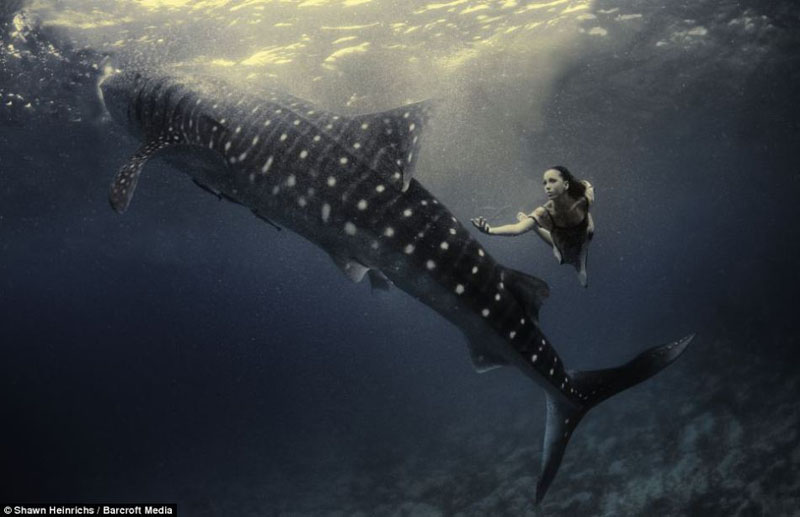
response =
{"points": [[482, 359], [393, 140], [527, 289], [125, 181]]}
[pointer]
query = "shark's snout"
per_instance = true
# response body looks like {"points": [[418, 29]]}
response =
{"points": [[116, 89]]}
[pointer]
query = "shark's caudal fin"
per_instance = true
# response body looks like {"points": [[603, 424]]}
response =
{"points": [[598, 385]]}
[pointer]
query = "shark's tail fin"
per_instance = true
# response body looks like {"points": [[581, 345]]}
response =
{"points": [[596, 386]]}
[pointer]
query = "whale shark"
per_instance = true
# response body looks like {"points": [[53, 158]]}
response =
{"points": [[346, 184]]}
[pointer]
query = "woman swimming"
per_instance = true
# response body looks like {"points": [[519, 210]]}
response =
{"points": [[564, 222]]}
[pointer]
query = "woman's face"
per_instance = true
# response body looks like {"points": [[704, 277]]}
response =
{"points": [[554, 184]]}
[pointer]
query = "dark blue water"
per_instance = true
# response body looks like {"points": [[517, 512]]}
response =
{"points": [[188, 352]]}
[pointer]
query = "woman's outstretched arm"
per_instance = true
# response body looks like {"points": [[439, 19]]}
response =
{"points": [[524, 224]]}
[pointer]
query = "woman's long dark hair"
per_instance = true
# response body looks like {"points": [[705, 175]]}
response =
{"points": [[576, 188]]}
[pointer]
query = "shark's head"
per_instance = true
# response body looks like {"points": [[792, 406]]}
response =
{"points": [[117, 90]]}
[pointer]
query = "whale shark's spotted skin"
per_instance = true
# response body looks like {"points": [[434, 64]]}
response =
{"points": [[344, 183]]}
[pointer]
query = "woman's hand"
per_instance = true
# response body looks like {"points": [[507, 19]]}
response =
{"points": [[589, 191], [481, 224], [522, 216]]}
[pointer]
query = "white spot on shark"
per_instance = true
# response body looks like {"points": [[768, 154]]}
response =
{"points": [[301, 201], [267, 165], [291, 180], [430, 264], [283, 137], [303, 154], [362, 205], [349, 228], [512, 334], [407, 212], [534, 358], [411, 126], [389, 231], [331, 181], [409, 249], [485, 313], [326, 212], [444, 245], [474, 269], [459, 289], [343, 160], [380, 188]]}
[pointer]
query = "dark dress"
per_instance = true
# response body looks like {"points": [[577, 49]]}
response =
{"points": [[570, 240]]}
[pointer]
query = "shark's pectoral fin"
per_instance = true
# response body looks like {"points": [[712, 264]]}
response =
{"points": [[483, 359], [128, 176], [378, 280], [394, 140], [528, 290]]}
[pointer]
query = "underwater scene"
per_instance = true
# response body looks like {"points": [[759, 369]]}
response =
{"points": [[401, 258]]}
